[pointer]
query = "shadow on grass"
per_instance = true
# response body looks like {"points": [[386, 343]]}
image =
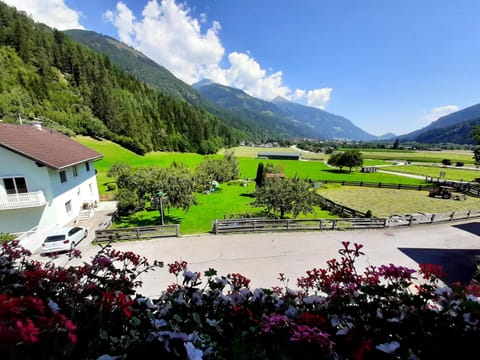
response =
{"points": [[151, 221], [249, 195], [336, 171]]}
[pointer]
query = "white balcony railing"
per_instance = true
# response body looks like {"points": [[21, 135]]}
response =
{"points": [[23, 200]]}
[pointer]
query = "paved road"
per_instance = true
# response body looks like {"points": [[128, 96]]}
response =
{"points": [[262, 256]]}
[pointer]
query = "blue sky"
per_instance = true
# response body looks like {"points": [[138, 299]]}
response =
{"points": [[387, 65]]}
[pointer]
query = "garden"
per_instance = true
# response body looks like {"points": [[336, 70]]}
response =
{"points": [[341, 311]]}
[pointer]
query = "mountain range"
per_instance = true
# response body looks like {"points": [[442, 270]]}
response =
{"points": [[454, 128], [93, 84], [277, 118]]}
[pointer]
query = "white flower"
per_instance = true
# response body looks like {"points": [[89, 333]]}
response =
{"points": [[107, 357], [158, 323], [147, 301], [192, 352], [473, 298], [53, 306], [213, 323], [310, 300], [389, 348], [443, 291], [189, 276]]}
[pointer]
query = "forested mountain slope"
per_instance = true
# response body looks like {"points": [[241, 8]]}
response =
{"points": [[146, 70], [45, 74], [453, 128]]}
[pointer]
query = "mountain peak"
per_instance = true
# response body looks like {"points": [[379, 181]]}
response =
{"points": [[201, 83], [280, 100]]}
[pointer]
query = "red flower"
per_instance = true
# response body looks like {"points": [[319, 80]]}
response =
{"points": [[28, 331], [431, 272]]}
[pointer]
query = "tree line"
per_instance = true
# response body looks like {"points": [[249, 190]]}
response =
{"points": [[45, 74]]}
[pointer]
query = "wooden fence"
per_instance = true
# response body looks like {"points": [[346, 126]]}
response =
{"points": [[259, 225], [137, 233], [248, 225], [334, 208], [379, 185]]}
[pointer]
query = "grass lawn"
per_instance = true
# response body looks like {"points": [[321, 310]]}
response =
{"points": [[421, 156], [386, 202], [451, 173], [235, 199], [232, 199]]}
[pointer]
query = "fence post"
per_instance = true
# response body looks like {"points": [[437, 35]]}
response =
{"points": [[138, 233], [334, 223], [451, 216], [410, 220], [177, 229], [433, 218]]}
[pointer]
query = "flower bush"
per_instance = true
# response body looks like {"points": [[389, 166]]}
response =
{"points": [[93, 311]]}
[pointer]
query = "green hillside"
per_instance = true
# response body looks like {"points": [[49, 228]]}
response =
{"points": [[45, 74], [143, 68]]}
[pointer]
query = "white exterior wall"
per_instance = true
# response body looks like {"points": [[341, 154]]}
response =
{"points": [[75, 189], [78, 190]]}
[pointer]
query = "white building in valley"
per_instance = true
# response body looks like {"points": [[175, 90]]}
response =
{"points": [[46, 178]]}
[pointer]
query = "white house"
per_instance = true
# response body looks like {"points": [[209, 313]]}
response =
{"points": [[46, 178]]}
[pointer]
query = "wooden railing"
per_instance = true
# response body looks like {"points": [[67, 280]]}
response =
{"points": [[137, 233]]}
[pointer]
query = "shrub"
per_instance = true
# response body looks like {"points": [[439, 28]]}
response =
{"points": [[111, 186], [6, 237], [447, 162], [459, 163], [93, 311]]}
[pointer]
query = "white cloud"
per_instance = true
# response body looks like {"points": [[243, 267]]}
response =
{"points": [[54, 13], [438, 112], [319, 97], [171, 36]]}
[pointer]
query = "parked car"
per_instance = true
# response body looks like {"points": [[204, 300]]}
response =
{"points": [[63, 239]]}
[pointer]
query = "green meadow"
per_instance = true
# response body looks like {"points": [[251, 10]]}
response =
{"points": [[234, 200], [451, 173]]}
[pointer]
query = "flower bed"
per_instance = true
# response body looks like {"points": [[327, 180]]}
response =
{"points": [[93, 311]]}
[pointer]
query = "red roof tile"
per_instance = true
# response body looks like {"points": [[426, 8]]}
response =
{"points": [[45, 146]]}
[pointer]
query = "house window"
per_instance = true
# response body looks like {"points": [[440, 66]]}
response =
{"points": [[75, 171], [15, 185], [68, 206], [87, 166], [63, 176]]}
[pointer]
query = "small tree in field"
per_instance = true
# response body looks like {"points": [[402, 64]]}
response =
{"points": [[290, 195], [475, 134], [261, 175], [349, 158]]}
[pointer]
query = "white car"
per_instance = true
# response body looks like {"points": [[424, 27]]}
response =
{"points": [[63, 239]]}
